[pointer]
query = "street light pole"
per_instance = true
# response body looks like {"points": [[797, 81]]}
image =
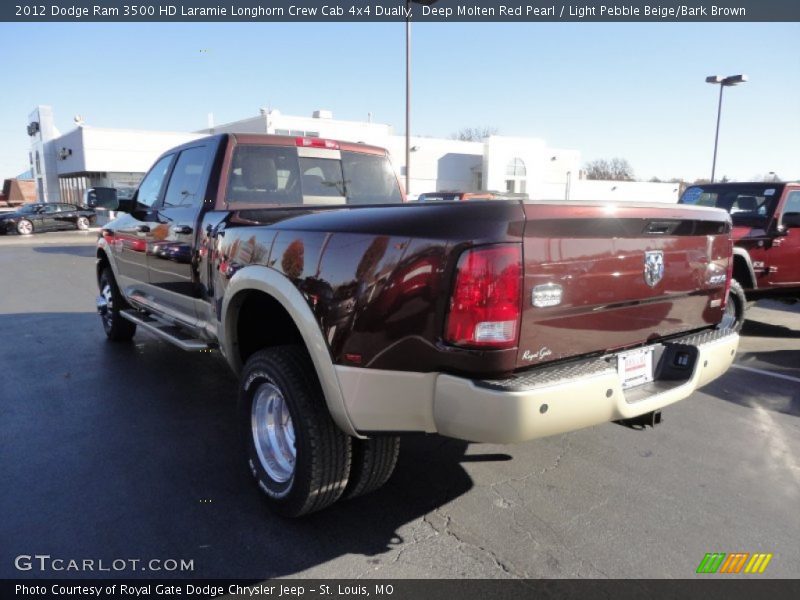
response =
{"points": [[408, 85], [408, 99], [716, 135], [723, 82]]}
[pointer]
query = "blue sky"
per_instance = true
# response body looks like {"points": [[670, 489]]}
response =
{"points": [[633, 90]]}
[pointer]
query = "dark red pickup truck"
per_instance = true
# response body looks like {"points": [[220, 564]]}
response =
{"points": [[352, 316]]}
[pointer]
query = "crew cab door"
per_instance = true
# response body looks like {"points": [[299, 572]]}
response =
{"points": [[133, 233], [785, 251], [171, 260]]}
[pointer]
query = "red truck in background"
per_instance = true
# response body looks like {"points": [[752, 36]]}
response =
{"points": [[352, 316], [766, 236]]}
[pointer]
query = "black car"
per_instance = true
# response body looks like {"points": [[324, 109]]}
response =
{"points": [[46, 217]]}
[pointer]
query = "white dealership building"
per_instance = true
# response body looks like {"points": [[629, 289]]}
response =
{"points": [[65, 165]]}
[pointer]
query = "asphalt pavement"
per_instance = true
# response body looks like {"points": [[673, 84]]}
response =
{"points": [[131, 452]]}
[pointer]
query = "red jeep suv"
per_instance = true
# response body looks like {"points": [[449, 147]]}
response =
{"points": [[766, 233]]}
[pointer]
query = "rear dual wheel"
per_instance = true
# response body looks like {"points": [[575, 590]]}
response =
{"points": [[299, 457], [373, 463]]}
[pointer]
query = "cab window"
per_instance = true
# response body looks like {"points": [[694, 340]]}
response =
{"points": [[748, 204], [792, 204], [150, 188], [185, 184]]}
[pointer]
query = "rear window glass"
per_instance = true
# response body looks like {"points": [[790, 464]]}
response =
{"points": [[322, 180], [369, 179], [751, 205], [274, 175], [264, 175]]}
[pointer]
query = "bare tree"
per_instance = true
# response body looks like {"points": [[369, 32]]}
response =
{"points": [[474, 134], [616, 169]]}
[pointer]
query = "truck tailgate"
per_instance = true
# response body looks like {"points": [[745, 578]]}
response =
{"points": [[601, 277]]}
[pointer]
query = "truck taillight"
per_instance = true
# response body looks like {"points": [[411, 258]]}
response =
{"points": [[306, 142], [485, 305]]}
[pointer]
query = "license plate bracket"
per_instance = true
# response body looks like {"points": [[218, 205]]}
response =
{"points": [[635, 367]]}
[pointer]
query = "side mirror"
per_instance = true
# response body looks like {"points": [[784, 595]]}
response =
{"points": [[791, 220], [102, 197]]}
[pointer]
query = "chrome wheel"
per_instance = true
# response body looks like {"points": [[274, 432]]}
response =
{"points": [[25, 227], [82, 223], [105, 305], [273, 433]]}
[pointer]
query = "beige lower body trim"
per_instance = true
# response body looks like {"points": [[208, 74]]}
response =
{"points": [[388, 400], [460, 408]]}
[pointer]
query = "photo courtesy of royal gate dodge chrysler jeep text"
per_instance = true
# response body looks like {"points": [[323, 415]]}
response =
{"points": [[352, 316]]}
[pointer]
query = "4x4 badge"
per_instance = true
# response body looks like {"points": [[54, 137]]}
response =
{"points": [[653, 267]]}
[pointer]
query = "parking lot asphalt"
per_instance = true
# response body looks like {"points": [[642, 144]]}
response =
{"points": [[131, 452]]}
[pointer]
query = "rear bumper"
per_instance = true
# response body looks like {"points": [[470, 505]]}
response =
{"points": [[542, 402]]}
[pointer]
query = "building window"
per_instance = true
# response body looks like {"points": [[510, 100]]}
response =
{"points": [[38, 164], [297, 133], [515, 176], [515, 168]]}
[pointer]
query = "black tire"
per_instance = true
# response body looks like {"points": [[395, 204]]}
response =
{"points": [[317, 475], [24, 227], [82, 224], [735, 308], [117, 328], [373, 463]]}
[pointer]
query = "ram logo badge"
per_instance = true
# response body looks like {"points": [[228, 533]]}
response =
{"points": [[653, 267]]}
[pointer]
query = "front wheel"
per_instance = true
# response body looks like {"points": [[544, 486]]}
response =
{"points": [[298, 456], [82, 224], [24, 227], [735, 308], [109, 304]]}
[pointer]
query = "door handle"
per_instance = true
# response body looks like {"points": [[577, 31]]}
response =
{"points": [[182, 229], [142, 229]]}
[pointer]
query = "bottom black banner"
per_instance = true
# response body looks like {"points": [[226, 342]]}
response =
{"points": [[403, 589]]}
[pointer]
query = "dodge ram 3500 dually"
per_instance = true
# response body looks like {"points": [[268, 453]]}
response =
{"points": [[351, 316]]}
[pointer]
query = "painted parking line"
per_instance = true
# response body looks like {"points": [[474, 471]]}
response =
{"points": [[768, 373]]}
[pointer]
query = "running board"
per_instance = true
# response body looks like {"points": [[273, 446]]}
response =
{"points": [[169, 333]]}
